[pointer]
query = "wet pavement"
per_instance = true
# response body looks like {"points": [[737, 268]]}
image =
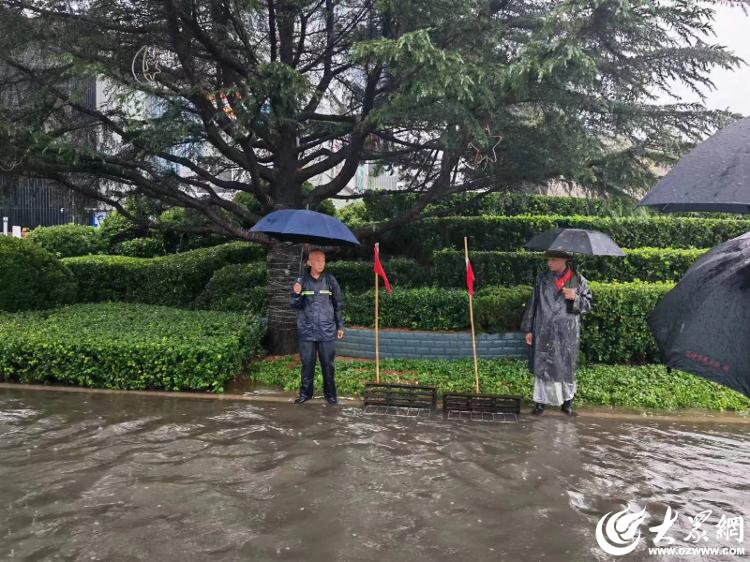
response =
{"points": [[123, 477]]}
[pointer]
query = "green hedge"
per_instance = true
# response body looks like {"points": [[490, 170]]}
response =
{"points": [[521, 268], [359, 275], [67, 240], [236, 287], [128, 346], [31, 277], [174, 280], [140, 248], [647, 386], [426, 308], [614, 332], [494, 233], [242, 286], [384, 205]]}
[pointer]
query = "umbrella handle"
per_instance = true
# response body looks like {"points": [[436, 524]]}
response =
{"points": [[301, 255]]}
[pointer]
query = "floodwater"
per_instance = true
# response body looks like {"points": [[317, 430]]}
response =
{"points": [[122, 477]]}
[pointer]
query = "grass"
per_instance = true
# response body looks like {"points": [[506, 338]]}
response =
{"points": [[648, 386]]}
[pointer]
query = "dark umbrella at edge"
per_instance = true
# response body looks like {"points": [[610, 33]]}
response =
{"points": [[713, 177], [577, 241]]}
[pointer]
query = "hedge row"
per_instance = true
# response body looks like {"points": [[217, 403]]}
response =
{"points": [[117, 235], [615, 331], [127, 346], [520, 268], [351, 275], [67, 240], [384, 205], [494, 233], [236, 287], [230, 285], [174, 280]]}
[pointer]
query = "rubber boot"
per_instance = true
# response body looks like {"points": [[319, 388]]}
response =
{"points": [[567, 407]]}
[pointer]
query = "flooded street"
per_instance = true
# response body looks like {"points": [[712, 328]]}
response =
{"points": [[118, 477]]}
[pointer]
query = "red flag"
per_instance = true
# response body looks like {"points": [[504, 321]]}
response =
{"points": [[469, 277], [380, 271]]}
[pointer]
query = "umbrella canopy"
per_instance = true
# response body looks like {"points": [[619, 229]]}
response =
{"points": [[575, 241], [714, 176], [701, 326], [302, 226]]}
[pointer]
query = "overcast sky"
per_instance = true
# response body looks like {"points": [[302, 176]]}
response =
{"points": [[732, 91]]}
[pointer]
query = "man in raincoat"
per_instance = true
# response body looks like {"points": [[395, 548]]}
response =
{"points": [[320, 322], [552, 326]]}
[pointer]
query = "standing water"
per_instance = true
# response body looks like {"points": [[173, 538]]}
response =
{"points": [[122, 477]]}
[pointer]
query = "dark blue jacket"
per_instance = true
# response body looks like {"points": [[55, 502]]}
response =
{"points": [[320, 308]]}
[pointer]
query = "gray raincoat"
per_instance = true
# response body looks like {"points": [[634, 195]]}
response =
{"points": [[555, 323]]}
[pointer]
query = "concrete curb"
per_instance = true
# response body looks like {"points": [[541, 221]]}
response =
{"points": [[592, 412]]}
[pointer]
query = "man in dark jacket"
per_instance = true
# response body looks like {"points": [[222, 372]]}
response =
{"points": [[320, 322]]}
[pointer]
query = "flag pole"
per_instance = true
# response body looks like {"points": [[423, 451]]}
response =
{"points": [[471, 318], [377, 342]]}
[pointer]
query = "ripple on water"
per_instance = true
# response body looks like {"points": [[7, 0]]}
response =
{"points": [[183, 480]]}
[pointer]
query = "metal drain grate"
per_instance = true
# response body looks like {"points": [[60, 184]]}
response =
{"points": [[481, 407], [401, 411], [459, 415]]}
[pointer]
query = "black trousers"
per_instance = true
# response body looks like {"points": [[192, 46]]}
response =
{"points": [[326, 352]]}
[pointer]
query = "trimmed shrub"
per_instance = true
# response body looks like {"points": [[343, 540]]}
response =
{"points": [[128, 346], [520, 268], [242, 286], [494, 233], [140, 248], [614, 332], [425, 308], [359, 275], [67, 240], [384, 205], [31, 277], [236, 287], [174, 280]]}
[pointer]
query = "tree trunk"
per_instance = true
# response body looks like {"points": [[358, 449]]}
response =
{"points": [[283, 268]]}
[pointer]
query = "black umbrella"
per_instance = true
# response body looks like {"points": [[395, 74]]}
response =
{"points": [[575, 241], [715, 176], [702, 326]]}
